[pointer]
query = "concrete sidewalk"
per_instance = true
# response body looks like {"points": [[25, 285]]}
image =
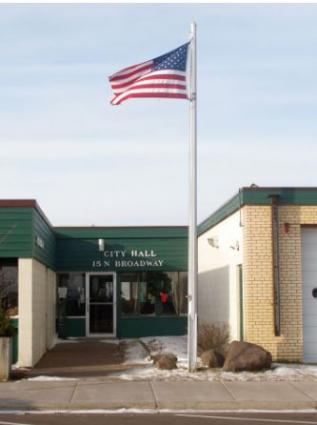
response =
{"points": [[101, 394]]}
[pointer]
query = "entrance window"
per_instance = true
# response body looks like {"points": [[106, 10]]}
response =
{"points": [[101, 304], [153, 293], [9, 286], [74, 286]]}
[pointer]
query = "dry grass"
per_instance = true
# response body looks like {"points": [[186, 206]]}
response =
{"points": [[212, 336]]}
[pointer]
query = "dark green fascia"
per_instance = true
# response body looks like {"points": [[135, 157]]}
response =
{"points": [[260, 196], [121, 232], [286, 195]]}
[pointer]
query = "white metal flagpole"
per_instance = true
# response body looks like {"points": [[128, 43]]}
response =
{"points": [[192, 227]]}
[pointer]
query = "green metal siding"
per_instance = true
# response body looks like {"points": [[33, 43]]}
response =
{"points": [[121, 232], [75, 327], [15, 232], [79, 254], [19, 228], [132, 327], [41, 228]]}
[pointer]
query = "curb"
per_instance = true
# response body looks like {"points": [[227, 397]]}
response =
{"points": [[167, 407]]}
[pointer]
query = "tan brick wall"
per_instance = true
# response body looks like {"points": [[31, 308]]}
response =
{"points": [[258, 278]]}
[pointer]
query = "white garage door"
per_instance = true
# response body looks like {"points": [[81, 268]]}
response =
{"points": [[309, 288]]}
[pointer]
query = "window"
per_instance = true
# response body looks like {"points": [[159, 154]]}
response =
{"points": [[153, 293], [74, 287], [9, 286], [183, 290]]}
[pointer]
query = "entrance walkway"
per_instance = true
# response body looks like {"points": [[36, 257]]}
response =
{"points": [[79, 359]]}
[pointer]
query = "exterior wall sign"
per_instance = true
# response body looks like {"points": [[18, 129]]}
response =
{"points": [[40, 242], [132, 258]]}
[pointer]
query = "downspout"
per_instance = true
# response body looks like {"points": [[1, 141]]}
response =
{"points": [[276, 263]]}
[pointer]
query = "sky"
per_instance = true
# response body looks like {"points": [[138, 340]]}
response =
{"points": [[89, 163]]}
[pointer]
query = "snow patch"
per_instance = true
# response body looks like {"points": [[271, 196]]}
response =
{"points": [[70, 340], [278, 373], [49, 378], [172, 344], [135, 353]]}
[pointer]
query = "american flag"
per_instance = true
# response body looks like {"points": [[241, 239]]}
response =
{"points": [[164, 76]]}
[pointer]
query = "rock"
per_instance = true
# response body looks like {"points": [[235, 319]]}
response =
{"points": [[244, 356], [212, 358], [165, 361]]}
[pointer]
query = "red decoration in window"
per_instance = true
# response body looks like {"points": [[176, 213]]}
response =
{"points": [[164, 297]]}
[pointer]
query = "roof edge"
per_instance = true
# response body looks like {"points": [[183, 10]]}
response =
{"points": [[226, 209], [25, 203], [255, 195]]}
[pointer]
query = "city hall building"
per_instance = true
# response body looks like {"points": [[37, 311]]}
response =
{"points": [[88, 281], [257, 274]]}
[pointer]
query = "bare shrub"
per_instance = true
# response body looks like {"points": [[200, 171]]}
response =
{"points": [[212, 336]]}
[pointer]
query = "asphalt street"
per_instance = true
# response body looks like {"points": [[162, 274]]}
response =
{"points": [[161, 419]]}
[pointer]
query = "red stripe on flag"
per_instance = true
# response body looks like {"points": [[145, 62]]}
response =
{"points": [[150, 77], [156, 95], [130, 74], [157, 86]]}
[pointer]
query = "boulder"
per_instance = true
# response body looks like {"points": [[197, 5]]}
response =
{"points": [[165, 361], [244, 356], [212, 358]]}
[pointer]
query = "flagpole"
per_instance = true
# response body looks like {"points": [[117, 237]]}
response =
{"points": [[192, 227]]}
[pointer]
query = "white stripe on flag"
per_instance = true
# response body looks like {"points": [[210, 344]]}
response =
{"points": [[141, 82], [117, 99], [130, 69]]}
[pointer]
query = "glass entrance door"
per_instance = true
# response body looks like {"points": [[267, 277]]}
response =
{"points": [[100, 304]]}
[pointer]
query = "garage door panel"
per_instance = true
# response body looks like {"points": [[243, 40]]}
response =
{"points": [[309, 282], [311, 349], [309, 319], [310, 335], [310, 359], [309, 235], [310, 304], [309, 251], [308, 295], [309, 266]]}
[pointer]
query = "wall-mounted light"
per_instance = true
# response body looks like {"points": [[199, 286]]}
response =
{"points": [[101, 244], [235, 245], [286, 227], [214, 242]]}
